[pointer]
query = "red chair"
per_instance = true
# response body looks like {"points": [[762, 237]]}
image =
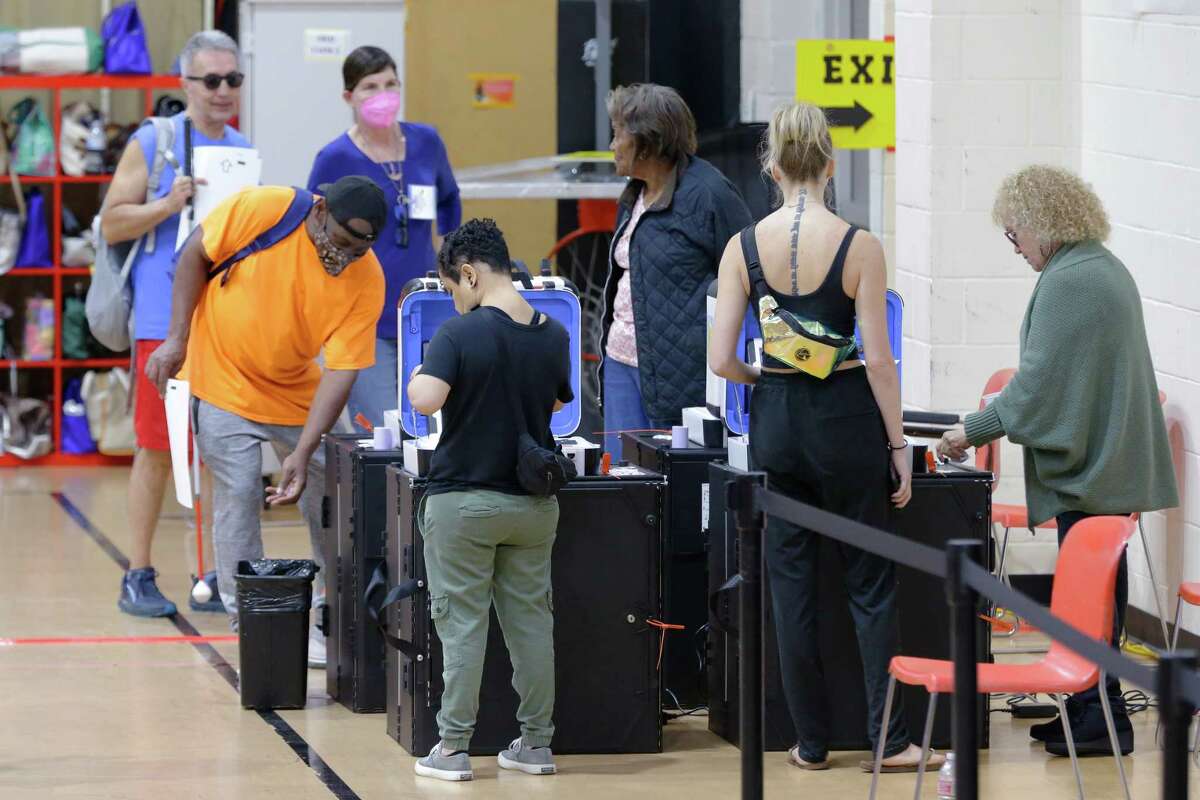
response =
{"points": [[1083, 597], [1189, 592]]}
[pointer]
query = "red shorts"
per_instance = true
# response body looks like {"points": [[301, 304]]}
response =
{"points": [[149, 411]]}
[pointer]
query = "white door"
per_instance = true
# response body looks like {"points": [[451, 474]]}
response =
{"points": [[292, 99]]}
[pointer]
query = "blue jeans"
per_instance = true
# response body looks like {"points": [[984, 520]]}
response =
{"points": [[375, 389], [623, 410]]}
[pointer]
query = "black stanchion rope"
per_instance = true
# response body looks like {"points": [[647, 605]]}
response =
{"points": [[888, 545], [933, 561]]}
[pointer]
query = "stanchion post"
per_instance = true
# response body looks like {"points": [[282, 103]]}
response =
{"points": [[964, 603], [749, 519], [1176, 712]]}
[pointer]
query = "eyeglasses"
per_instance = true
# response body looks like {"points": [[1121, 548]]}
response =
{"points": [[212, 81], [1012, 237]]}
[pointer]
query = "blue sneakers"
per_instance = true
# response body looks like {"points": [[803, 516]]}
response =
{"points": [[214, 604], [140, 595]]}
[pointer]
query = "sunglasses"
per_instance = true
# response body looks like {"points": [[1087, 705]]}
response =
{"points": [[1012, 237], [212, 81]]}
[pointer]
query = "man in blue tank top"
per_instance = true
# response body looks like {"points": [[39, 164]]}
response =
{"points": [[211, 79]]}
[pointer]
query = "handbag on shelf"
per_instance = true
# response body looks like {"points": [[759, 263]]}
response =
{"points": [[76, 436], [38, 342], [25, 422], [33, 141], [109, 411], [35, 237], [125, 50], [12, 224]]}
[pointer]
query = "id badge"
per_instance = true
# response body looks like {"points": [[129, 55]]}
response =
{"points": [[422, 201]]}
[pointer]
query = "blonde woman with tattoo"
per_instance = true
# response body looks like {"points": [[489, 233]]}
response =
{"points": [[830, 437]]}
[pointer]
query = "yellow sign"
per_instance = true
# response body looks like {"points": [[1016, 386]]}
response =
{"points": [[854, 81], [493, 90]]}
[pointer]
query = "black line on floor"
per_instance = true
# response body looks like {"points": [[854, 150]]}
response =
{"points": [[303, 750], [91, 530]]}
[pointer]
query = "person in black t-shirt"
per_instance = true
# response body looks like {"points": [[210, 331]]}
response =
{"points": [[486, 539]]}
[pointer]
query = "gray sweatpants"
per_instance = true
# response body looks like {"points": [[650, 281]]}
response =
{"points": [[231, 446]]}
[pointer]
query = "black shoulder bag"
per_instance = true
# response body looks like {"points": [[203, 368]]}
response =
{"points": [[540, 472]]}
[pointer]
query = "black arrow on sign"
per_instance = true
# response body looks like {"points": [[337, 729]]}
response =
{"points": [[848, 116]]}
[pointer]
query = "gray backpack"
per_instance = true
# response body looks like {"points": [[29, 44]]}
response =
{"points": [[109, 302]]}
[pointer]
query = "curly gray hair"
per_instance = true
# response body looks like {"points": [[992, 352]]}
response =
{"points": [[1053, 203]]}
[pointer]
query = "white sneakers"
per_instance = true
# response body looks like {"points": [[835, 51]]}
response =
{"points": [[316, 648]]}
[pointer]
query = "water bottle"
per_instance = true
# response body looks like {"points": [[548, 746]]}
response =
{"points": [[94, 147], [945, 780]]}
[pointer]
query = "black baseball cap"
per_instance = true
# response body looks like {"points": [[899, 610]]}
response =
{"points": [[356, 197]]}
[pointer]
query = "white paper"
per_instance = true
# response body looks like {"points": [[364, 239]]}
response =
{"points": [[177, 402], [227, 171], [326, 44], [422, 201]]}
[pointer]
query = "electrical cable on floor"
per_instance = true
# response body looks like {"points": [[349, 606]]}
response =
{"points": [[1136, 701], [702, 631], [682, 712]]}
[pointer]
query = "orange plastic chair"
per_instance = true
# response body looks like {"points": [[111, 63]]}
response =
{"points": [[1083, 597], [1189, 592]]}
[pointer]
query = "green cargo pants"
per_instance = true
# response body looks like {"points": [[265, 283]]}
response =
{"points": [[484, 547]]}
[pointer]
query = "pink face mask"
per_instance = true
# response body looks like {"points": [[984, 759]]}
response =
{"points": [[379, 111]]}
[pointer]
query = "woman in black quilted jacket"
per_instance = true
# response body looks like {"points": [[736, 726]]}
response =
{"points": [[673, 221]]}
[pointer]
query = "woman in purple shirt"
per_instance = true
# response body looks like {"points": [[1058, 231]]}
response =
{"points": [[409, 163]]}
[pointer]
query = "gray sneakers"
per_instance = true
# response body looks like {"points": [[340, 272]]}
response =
{"points": [[443, 766], [530, 760]]}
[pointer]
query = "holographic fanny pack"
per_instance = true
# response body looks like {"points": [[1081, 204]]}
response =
{"points": [[804, 344]]}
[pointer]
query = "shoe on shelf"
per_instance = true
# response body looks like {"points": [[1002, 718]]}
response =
{"points": [[1091, 735], [140, 595], [530, 760], [445, 766], [316, 648], [212, 605]]}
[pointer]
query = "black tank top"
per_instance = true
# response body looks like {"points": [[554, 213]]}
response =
{"points": [[828, 304]]}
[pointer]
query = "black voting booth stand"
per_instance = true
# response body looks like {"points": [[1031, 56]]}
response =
{"points": [[952, 504], [961, 564], [605, 574], [355, 537], [685, 567]]}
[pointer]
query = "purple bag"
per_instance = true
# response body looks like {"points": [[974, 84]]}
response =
{"points": [[125, 51], [76, 436], [35, 239]]}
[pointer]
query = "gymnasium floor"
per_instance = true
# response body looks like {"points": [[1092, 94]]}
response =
{"points": [[138, 720]]}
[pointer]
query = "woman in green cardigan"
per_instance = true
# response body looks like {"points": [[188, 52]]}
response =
{"points": [[1084, 402]]}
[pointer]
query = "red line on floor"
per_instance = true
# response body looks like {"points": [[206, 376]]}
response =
{"points": [[57, 640]]}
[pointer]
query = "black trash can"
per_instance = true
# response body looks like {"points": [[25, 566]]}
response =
{"points": [[273, 597]]}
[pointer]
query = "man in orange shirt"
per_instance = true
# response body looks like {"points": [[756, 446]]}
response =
{"points": [[251, 331]]}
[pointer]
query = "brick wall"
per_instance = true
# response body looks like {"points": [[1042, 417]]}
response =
{"points": [[1108, 88]]}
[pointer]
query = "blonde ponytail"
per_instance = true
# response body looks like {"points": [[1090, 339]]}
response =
{"points": [[798, 142]]}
